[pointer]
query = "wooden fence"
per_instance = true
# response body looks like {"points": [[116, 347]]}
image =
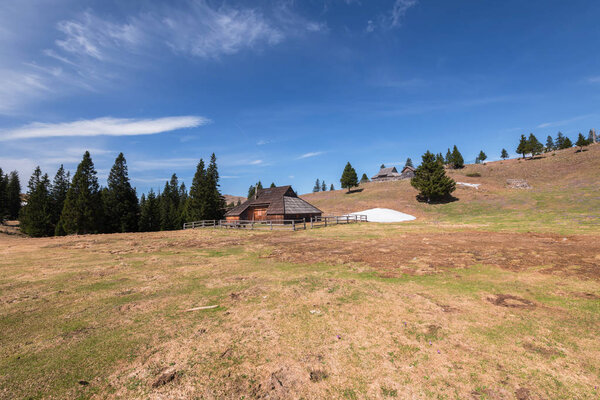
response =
{"points": [[286, 224]]}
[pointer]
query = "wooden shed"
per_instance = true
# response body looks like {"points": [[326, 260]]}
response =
{"points": [[392, 174], [278, 203]]}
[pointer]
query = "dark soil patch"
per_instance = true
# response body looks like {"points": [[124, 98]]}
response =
{"points": [[165, 377], [510, 301], [522, 394], [544, 351], [318, 375]]}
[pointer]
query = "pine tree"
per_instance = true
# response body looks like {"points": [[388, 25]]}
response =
{"points": [[382, 166], [317, 187], [482, 156], [197, 199], [150, 213], [3, 188], [58, 194], [522, 148], [457, 159], [170, 199], [323, 186], [567, 144], [431, 180], [504, 154], [215, 203], [13, 195], [448, 158], [534, 146], [272, 185], [331, 188], [251, 191], [36, 217], [409, 162], [364, 178], [440, 158], [549, 144], [82, 211], [349, 178], [581, 142], [121, 207]]}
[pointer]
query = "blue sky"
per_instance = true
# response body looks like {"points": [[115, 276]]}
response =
{"points": [[287, 91]]}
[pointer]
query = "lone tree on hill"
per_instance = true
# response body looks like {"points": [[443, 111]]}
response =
{"points": [[581, 142], [121, 208], [317, 187], [522, 147], [482, 156], [504, 154], [272, 185], [409, 162], [36, 216], [331, 188], [457, 161], [82, 212], [382, 166], [364, 178], [349, 178], [534, 146], [549, 144], [431, 181], [323, 186], [567, 144]]}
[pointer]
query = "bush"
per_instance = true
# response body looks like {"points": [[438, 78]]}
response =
{"points": [[474, 174]]}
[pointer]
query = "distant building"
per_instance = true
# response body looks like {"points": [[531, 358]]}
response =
{"points": [[391, 174], [275, 203]]}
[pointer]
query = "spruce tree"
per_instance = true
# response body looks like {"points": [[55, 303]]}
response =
{"points": [[567, 144], [323, 186], [317, 187], [215, 208], [364, 178], [440, 158], [170, 199], [581, 142], [239, 202], [3, 188], [13, 195], [82, 211], [457, 158], [331, 188], [197, 199], [549, 144], [272, 185], [482, 156], [522, 148], [251, 191], [36, 216], [150, 213], [58, 194], [448, 159], [534, 146], [431, 181], [409, 162], [382, 166], [349, 178], [121, 207], [504, 154]]}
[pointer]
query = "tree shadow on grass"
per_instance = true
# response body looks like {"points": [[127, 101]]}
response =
{"points": [[358, 190], [442, 200]]}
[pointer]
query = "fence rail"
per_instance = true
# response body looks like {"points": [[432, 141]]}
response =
{"points": [[285, 224]]}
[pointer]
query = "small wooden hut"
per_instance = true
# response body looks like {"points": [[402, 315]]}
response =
{"points": [[273, 204], [392, 174]]}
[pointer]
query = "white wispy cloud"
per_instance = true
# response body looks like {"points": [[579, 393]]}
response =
{"points": [[564, 121], [255, 162], [103, 126], [311, 154], [399, 10], [17, 87]]}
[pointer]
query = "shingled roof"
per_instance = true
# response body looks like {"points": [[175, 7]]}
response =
{"points": [[386, 172], [279, 200]]}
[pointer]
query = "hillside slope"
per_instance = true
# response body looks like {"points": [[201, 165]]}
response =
{"points": [[565, 194]]}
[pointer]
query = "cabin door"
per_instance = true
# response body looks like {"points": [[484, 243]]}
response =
{"points": [[259, 214]]}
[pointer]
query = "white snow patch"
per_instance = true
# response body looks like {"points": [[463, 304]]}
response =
{"points": [[473, 185], [384, 215]]}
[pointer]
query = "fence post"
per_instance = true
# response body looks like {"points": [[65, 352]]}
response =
{"points": [[252, 225], [271, 224], [293, 225], [304, 223], [311, 222], [347, 219]]}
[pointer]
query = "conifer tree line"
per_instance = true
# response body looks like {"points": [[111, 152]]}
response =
{"points": [[10, 195], [81, 206], [321, 186]]}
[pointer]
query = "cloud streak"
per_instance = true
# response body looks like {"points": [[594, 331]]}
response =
{"points": [[311, 154], [106, 126]]}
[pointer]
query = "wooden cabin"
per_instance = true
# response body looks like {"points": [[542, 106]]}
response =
{"points": [[273, 204], [392, 174]]}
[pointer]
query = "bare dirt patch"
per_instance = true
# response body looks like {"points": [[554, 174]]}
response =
{"points": [[510, 301]]}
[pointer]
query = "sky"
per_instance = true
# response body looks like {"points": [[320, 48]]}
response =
{"points": [[287, 91]]}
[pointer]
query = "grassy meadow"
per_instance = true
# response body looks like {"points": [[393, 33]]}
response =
{"points": [[493, 296]]}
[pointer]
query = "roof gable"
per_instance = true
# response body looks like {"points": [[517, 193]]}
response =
{"points": [[277, 200]]}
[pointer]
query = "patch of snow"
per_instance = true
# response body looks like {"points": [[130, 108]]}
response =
{"points": [[384, 215], [473, 185]]}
